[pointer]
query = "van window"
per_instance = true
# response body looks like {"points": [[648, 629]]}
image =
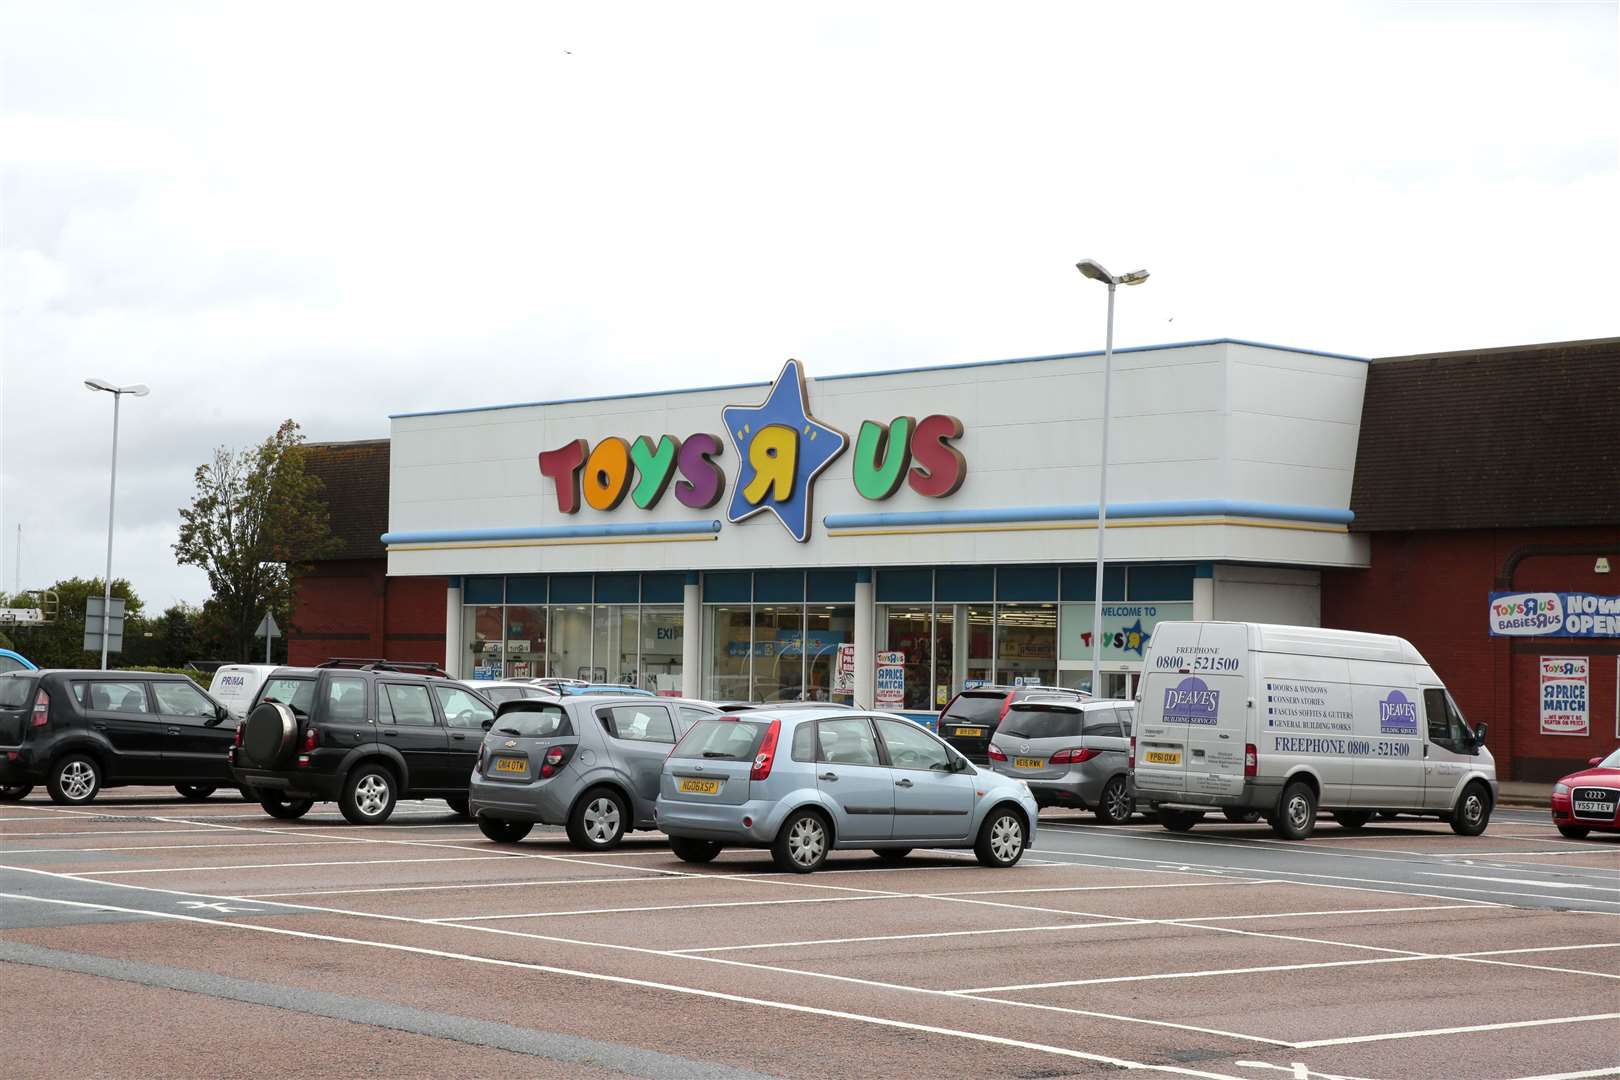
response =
{"points": [[1041, 722], [1447, 727]]}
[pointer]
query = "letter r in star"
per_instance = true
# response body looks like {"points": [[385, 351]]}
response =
{"points": [[782, 449]]}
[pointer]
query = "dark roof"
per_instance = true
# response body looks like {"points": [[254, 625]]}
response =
{"points": [[1490, 438], [356, 479]]}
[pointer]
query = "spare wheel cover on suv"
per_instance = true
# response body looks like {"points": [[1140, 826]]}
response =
{"points": [[269, 733]]}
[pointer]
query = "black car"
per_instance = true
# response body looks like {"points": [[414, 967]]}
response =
{"points": [[81, 731], [361, 733], [973, 715]]}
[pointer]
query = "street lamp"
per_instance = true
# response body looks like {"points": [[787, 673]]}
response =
{"points": [[1094, 270], [118, 392]]}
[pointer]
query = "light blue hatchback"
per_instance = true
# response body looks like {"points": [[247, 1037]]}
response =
{"points": [[804, 781]]}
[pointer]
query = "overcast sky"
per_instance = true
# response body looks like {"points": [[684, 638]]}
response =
{"points": [[335, 211]]}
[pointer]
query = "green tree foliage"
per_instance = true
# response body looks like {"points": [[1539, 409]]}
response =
{"points": [[61, 644], [257, 516]]}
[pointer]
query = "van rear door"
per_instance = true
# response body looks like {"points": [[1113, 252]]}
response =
{"points": [[1194, 712]]}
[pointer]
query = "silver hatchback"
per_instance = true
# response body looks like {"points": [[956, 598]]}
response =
{"points": [[802, 782], [1071, 753], [589, 763]]}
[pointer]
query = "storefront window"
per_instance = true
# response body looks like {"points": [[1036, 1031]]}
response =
{"points": [[525, 641], [949, 661], [570, 645], [909, 632], [778, 653], [826, 627], [1026, 643], [616, 643], [482, 632], [725, 674], [980, 641], [661, 650]]}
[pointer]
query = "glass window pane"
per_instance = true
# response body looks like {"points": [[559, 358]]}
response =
{"points": [[129, 697], [725, 668], [614, 627], [980, 638], [181, 699], [570, 646], [661, 643], [847, 742], [778, 653], [408, 704], [910, 747], [947, 658], [483, 638], [461, 709], [827, 626], [1026, 644], [639, 723], [346, 700], [804, 742], [910, 632], [525, 642], [297, 694]]}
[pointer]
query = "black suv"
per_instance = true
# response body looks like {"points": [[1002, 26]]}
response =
{"points": [[974, 714], [363, 733], [81, 731]]}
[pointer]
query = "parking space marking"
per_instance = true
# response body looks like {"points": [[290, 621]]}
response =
{"points": [[1165, 975], [462, 885], [1584, 1074], [1506, 1025], [94, 874], [786, 1006], [1525, 881]]}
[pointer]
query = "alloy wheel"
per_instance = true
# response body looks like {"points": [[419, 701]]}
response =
{"points": [[78, 780], [601, 820], [371, 794], [807, 840], [1006, 838]]}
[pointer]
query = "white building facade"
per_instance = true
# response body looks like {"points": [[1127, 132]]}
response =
{"points": [[885, 538]]}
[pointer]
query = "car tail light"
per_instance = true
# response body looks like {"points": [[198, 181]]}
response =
{"points": [[483, 756], [553, 761], [1251, 760], [1006, 703], [1074, 756], [767, 752], [1130, 762], [311, 736], [238, 740], [996, 753], [42, 710]]}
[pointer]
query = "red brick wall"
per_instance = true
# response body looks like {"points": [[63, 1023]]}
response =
{"points": [[1432, 588], [350, 607]]}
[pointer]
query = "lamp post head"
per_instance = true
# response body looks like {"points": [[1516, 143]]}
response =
{"points": [[1135, 277], [1093, 269], [135, 389]]}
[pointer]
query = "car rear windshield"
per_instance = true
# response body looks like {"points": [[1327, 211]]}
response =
{"points": [[16, 691], [727, 740], [979, 708], [297, 694], [1040, 722], [539, 721]]}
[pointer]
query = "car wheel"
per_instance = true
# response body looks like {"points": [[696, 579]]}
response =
{"points": [[689, 850], [368, 795], [15, 792], [1472, 812], [1180, 820], [802, 843], [891, 855], [1352, 820], [1001, 838], [599, 820], [1296, 813], [195, 792], [1574, 832], [286, 809], [458, 806], [1241, 815], [1115, 805], [74, 780], [502, 831]]}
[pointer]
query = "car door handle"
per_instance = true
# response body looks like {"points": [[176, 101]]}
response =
{"points": [[827, 776], [391, 734], [174, 731], [459, 738], [902, 783]]}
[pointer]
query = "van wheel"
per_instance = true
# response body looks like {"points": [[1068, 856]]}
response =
{"points": [[1574, 832], [1296, 813], [195, 792], [502, 831], [74, 780], [458, 806], [802, 843], [1115, 805], [368, 794], [1352, 820], [15, 792], [688, 849], [1472, 812], [599, 820], [1001, 839], [1241, 815], [1180, 820], [286, 809]]}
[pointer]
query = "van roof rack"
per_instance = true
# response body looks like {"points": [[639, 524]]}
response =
{"points": [[371, 663]]}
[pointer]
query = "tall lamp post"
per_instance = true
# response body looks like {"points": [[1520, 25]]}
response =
{"points": [[1094, 270], [118, 392]]}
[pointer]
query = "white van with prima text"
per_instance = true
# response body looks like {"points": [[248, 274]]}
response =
{"points": [[1286, 721]]}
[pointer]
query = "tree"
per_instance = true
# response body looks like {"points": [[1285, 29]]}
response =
{"points": [[256, 519], [61, 643]]}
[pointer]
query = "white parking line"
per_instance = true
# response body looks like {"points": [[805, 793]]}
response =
{"points": [[95, 875], [1165, 975], [1508, 1025]]}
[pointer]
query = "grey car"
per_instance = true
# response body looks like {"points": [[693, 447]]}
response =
{"points": [[590, 763], [802, 782], [1071, 753]]}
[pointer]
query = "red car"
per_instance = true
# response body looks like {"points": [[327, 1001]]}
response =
{"points": [[1589, 799]]}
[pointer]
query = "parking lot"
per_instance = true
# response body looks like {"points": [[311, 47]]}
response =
{"points": [[174, 938]]}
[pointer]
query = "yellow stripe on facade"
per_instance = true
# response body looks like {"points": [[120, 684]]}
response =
{"points": [[1042, 526]]}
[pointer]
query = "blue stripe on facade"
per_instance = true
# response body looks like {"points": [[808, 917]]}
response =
{"points": [[554, 532], [1088, 512]]}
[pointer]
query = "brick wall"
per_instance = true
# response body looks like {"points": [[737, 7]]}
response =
{"points": [[1432, 587], [350, 607]]}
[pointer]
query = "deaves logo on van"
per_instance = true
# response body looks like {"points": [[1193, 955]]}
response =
{"points": [[1191, 701], [1396, 715]]}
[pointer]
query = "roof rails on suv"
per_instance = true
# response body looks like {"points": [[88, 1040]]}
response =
{"points": [[364, 663]]}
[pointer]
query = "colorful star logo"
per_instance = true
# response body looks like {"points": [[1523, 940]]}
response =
{"points": [[782, 449], [1135, 638]]}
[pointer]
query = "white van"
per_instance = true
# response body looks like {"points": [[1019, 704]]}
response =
{"points": [[1283, 721], [236, 685]]}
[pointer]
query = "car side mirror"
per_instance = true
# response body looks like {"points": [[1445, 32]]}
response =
{"points": [[220, 715], [1595, 762], [487, 724], [1479, 733]]}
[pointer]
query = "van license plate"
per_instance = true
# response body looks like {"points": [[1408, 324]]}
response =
{"points": [[1163, 757], [511, 765], [1030, 762], [700, 787], [970, 732]]}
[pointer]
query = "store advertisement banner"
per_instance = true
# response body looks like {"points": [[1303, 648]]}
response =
{"points": [[1127, 628], [1554, 614], [1565, 695], [891, 680]]}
